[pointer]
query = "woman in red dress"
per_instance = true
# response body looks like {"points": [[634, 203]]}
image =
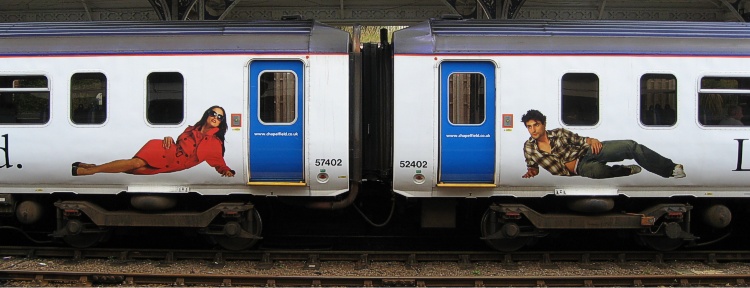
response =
{"points": [[203, 141]]}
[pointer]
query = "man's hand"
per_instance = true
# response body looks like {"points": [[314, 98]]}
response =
{"points": [[596, 146], [531, 172]]}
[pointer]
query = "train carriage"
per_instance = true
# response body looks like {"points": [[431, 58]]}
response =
{"points": [[78, 94], [634, 127], [664, 85]]}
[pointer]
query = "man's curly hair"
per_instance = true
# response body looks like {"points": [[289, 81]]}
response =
{"points": [[534, 115]]}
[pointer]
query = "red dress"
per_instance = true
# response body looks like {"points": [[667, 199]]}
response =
{"points": [[192, 148]]}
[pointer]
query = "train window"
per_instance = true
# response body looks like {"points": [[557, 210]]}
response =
{"points": [[88, 98], [466, 98], [580, 99], [24, 99], [658, 100], [278, 96], [165, 98], [723, 100]]}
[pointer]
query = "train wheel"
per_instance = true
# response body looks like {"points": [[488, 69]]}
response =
{"points": [[490, 226], [661, 243], [83, 235], [670, 236], [237, 243], [86, 240]]}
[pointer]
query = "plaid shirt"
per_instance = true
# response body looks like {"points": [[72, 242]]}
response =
{"points": [[566, 146]]}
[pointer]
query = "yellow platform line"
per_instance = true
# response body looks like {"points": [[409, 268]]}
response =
{"points": [[467, 185], [295, 184]]}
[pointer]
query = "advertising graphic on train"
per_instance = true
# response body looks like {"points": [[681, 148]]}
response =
{"points": [[204, 141], [564, 153]]}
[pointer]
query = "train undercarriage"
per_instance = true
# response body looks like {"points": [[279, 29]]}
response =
{"points": [[663, 227], [233, 224], [82, 223]]}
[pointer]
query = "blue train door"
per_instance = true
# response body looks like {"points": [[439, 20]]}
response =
{"points": [[276, 121], [467, 122]]}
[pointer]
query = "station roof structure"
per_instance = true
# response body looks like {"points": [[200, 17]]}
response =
{"points": [[371, 12]]}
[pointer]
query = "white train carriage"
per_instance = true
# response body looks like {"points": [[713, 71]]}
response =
{"points": [[78, 94], [461, 88]]}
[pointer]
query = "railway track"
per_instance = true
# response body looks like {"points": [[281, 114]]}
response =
{"points": [[90, 279], [409, 257], [315, 263]]}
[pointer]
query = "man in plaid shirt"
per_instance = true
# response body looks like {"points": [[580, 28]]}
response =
{"points": [[565, 153]]}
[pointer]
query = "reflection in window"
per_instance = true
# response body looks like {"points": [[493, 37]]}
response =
{"points": [[165, 98], [278, 96], [24, 100], [466, 98], [723, 100], [658, 100], [88, 98], [580, 99]]}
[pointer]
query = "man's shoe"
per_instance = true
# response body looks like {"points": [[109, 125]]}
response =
{"points": [[678, 172], [634, 169]]}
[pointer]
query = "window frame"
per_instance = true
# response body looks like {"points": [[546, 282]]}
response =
{"points": [[562, 97], [296, 97], [148, 100], [46, 89], [484, 99], [641, 102], [105, 99], [719, 91]]}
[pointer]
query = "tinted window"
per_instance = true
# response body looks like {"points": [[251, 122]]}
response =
{"points": [[580, 99], [24, 100], [658, 100], [723, 101], [278, 91], [466, 98], [88, 98], [165, 98]]}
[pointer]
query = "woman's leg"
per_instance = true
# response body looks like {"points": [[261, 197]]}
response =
{"points": [[117, 166]]}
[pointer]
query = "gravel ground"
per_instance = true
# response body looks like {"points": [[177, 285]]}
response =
{"points": [[375, 269]]}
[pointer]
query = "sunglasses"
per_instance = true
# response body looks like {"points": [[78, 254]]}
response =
{"points": [[217, 115]]}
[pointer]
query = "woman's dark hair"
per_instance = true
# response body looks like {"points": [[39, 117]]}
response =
{"points": [[222, 126], [534, 115]]}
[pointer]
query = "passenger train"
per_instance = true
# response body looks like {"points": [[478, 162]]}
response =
{"points": [[313, 117]]}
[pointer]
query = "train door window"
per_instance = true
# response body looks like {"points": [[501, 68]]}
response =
{"points": [[723, 101], [278, 97], [88, 98], [466, 98], [658, 100], [580, 99], [24, 99], [165, 98]]}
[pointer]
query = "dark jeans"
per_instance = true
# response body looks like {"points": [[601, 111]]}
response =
{"points": [[595, 165]]}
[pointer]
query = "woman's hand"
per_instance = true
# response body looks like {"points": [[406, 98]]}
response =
{"points": [[168, 142], [229, 173]]}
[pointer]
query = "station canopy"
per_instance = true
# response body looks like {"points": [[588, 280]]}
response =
{"points": [[372, 12]]}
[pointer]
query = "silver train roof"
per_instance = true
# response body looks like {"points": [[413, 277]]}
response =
{"points": [[573, 37], [292, 36]]}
